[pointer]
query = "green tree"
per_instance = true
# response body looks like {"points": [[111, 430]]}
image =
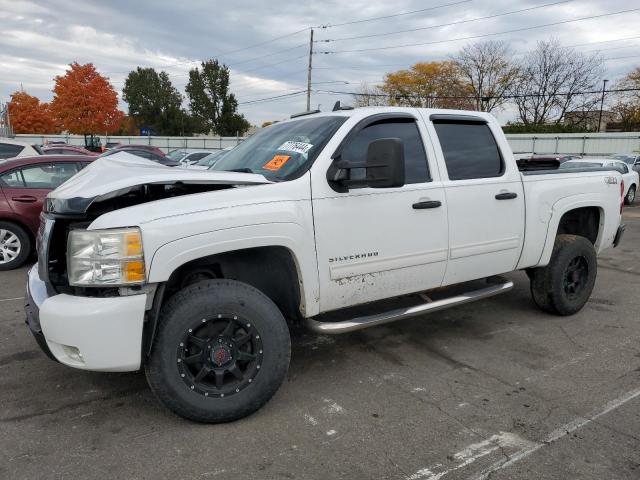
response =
{"points": [[210, 101], [155, 103]]}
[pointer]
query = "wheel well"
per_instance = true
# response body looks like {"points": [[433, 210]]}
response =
{"points": [[272, 270], [584, 222]]}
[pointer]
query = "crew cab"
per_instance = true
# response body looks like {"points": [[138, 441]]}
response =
{"points": [[196, 276]]}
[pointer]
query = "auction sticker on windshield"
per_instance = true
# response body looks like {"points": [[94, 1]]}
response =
{"points": [[276, 163], [297, 147]]}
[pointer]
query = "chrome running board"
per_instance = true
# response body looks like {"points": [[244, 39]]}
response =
{"points": [[359, 323]]}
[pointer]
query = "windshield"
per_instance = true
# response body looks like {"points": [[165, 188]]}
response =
{"points": [[211, 158], [282, 151], [176, 154]]}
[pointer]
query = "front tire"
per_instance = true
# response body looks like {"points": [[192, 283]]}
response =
{"points": [[15, 246], [564, 286], [630, 196], [221, 351]]}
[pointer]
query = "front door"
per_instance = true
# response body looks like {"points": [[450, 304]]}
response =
{"points": [[485, 199], [375, 243], [26, 188]]}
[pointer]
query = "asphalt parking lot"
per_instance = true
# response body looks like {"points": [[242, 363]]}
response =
{"points": [[492, 389]]}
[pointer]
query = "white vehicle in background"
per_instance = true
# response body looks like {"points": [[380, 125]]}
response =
{"points": [[631, 159], [629, 176], [336, 220], [205, 163], [187, 157], [10, 148]]}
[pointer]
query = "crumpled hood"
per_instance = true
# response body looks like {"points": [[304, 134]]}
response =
{"points": [[120, 173]]}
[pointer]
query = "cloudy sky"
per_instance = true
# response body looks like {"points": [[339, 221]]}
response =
{"points": [[266, 44]]}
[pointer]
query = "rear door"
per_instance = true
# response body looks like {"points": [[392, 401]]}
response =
{"points": [[484, 196]]}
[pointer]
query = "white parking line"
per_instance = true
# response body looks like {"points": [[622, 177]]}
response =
{"points": [[509, 441], [559, 433], [11, 299]]}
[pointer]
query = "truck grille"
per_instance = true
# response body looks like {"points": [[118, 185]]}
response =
{"points": [[42, 245]]}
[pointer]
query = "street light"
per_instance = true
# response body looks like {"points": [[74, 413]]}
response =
{"points": [[604, 88]]}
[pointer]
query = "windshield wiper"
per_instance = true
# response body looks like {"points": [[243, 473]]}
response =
{"points": [[241, 170]]}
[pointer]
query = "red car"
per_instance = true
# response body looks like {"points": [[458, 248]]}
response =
{"points": [[24, 184], [67, 150]]}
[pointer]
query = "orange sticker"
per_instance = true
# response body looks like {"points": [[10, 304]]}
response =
{"points": [[276, 163]]}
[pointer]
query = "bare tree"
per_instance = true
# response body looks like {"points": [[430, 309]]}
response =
{"points": [[551, 83], [489, 69], [627, 103], [370, 96]]}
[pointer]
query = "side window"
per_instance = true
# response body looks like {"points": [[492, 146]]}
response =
{"points": [[48, 175], [197, 156], [8, 150], [12, 179], [416, 167], [470, 150]]}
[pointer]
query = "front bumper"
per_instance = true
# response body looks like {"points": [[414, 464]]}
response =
{"points": [[103, 334]]}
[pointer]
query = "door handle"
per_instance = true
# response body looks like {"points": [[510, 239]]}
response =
{"points": [[25, 199], [427, 204], [506, 196]]}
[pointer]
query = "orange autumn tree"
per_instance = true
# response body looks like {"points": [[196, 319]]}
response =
{"points": [[85, 102], [429, 84], [28, 115]]}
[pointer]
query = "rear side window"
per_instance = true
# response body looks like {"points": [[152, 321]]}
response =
{"points": [[470, 150], [416, 168], [12, 179], [48, 175], [194, 157], [8, 150]]}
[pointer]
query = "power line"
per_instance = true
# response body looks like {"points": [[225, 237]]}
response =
{"points": [[524, 95], [447, 24], [277, 97], [366, 67], [372, 19], [265, 56], [262, 43], [603, 41], [473, 37], [621, 58]]}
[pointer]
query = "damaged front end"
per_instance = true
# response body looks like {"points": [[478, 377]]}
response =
{"points": [[110, 184]]}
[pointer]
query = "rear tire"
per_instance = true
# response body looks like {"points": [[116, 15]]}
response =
{"points": [[630, 196], [564, 286], [221, 351], [15, 246]]}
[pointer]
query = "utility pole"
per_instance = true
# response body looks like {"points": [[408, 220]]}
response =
{"points": [[604, 88], [309, 72]]}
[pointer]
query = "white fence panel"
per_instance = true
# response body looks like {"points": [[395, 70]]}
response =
{"points": [[574, 143], [165, 143]]}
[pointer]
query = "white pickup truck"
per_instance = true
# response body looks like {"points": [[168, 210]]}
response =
{"points": [[196, 276]]}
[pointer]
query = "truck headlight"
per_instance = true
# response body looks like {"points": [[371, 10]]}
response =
{"points": [[105, 257]]}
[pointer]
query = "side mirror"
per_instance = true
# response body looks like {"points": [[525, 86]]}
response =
{"points": [[385, 163]]}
